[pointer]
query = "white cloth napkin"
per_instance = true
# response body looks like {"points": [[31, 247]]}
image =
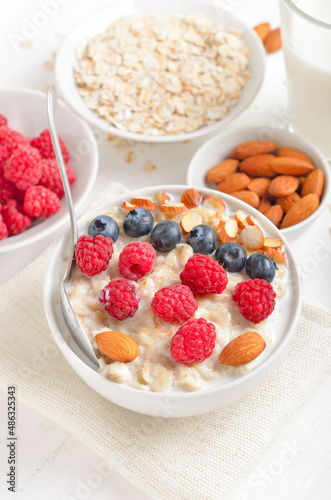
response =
{"points": [[195, 458]]}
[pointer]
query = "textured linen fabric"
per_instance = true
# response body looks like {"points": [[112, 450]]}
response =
{"points": [[194, 458]]}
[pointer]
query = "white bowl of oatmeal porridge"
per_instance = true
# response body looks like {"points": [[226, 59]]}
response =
{"points": [[154, 383], [149, 94]]}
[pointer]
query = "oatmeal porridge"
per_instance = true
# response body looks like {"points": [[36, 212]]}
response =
{"points": [[158, 365]]}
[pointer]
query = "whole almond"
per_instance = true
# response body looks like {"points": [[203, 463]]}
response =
{"points": [[314, 183], [258, 166], [233, 182], [117, 346], [248, 197], [252, 148], [242, 349], [259, 186], [287, 202], [273, 41], [262, 30], [293, 153], [264, 205], [191, 198], [283, 185], [221, 170], [291, 166], [301, 210], [275, 214]]}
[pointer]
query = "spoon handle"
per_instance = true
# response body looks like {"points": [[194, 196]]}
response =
{"points": [[51, 102]]}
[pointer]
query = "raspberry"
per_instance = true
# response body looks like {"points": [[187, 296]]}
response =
{"points": [[51, 177], [203, 275], [15, 220], [40, 202], [255, 299], [12, 139], [120, 299], [4, 155], [3, 121], [93, 254], [174, 304], [3, 227], [193, 342], [136, 260], [45, 146], [23, 167], [7, 189]]}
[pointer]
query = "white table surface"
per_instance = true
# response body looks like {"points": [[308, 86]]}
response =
{"points": [[54, 465]]}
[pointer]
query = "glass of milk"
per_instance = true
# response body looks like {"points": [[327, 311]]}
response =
{"points": [[306, 40]]}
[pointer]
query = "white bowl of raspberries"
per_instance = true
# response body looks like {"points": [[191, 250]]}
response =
{"points": [[32, 201], [188, 298]]}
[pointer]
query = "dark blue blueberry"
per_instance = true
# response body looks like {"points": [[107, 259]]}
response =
{"points": [[166, 235], [260, 266], [138, 222], [232, 256], [202, 239], [104, 225]]}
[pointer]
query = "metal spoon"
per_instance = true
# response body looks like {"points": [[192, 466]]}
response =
{"points": [[70, 318]]}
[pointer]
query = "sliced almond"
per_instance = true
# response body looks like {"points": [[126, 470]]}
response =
{"points": [[248, 197], [252, 237], [259, 186], [314, 183], [264, 205], [128, 206], [283, 185], [221, 170], [251, 221], [191, 219], [242, 349], [144, 203], [252, 148], [287, 202], [161, 198], [191, 198], [273, 41], [275, 255], [117, 346], [262, 30], [272, 242], [301, 210], [293, 153], [213, 203], [275, 214], [233, 182], [291, 166], [258, 166], [227, 230], [173, 207], [241, 219]]}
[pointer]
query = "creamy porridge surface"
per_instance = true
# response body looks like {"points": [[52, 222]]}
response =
{"points": [[154, 369]]}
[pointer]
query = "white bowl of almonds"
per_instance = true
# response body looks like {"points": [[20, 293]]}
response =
{"points": [[192, 301], [160, 70], [275, 171]]}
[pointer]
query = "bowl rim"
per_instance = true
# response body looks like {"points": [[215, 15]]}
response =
{"points": [[23, 239], [73, 358], [277, 131], [93, 119]]}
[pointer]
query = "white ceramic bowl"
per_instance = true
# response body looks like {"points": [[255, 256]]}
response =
{"points": [[98, 22], [219, 147], [170, 404], [25, 110]]}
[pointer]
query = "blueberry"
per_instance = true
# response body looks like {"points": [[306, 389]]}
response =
{"points": [[232, 256], [202, 239], [166, 235], [260, 266], [138, 222], [104, 225]]}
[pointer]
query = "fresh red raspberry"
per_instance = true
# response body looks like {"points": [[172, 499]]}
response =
{"points": [[120, 299], [255, 299], [3, 121], [23, 167], [174, 304], [51, 177], [40, 202], [15, 220], [44, 143], [4, 155], [136, 260], [12, 139], [3, 227], [204, 275], [193, 342], [7, 189], [93, 254]]}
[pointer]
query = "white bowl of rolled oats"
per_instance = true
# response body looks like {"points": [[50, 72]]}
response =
{"points": [[159, 70], [168, 323]]}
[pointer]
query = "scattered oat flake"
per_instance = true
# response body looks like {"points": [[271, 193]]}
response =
{"points": [[130, 156], [117, 142], [25, 43], [149, 167]]}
